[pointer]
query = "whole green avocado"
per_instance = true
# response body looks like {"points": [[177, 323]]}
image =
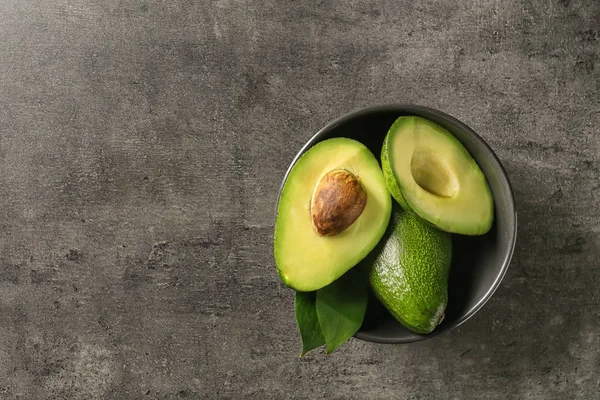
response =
{"points": [[409, 270]]}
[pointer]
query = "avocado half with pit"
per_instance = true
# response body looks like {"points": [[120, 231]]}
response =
{"points": [[333, 210], [430, 172]]}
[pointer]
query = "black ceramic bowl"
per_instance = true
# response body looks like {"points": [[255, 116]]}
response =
{"points": [[478, 263]]}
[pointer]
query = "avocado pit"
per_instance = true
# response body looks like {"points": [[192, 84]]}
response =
{"points": [[337, 202]]}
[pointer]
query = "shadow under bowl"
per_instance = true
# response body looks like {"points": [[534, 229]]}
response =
{"points": [[478, 262]]}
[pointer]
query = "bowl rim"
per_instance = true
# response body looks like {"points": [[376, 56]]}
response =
{"points": [[407, 107]]}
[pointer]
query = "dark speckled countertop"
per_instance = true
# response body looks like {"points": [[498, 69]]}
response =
{"points": [[142, 144]]}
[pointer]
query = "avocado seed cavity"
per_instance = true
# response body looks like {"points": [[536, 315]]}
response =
{"points": [[337, 202], [433, 174]]}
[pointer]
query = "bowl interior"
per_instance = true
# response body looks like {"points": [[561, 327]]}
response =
{"points": [[480, 262]]}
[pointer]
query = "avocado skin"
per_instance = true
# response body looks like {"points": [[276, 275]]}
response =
{"points": [[388, 174], [409, 270]]}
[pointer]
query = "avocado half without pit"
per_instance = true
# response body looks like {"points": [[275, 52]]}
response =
{"points": [[428, 171], [333, 210]]}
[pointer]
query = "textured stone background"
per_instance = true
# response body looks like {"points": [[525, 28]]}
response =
{"points": [[142, 144]]}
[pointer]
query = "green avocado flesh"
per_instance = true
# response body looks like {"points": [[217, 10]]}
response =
{"points": [[307, 260], [430, 172], [408, 271]]}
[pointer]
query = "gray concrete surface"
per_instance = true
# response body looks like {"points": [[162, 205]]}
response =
{"points": [[142, 144]]}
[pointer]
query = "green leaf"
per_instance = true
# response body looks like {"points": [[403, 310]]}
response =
{"points": [[341, 307], [308, 323]]}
